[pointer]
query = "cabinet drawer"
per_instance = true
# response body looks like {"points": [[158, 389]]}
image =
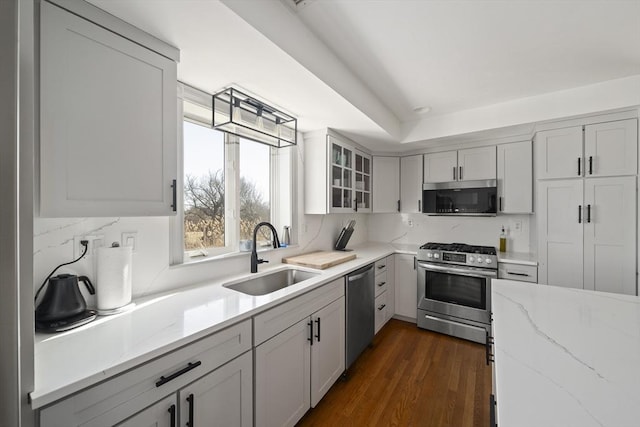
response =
{"points": [[523, 273], [381, 282], [381, 265], [279, 318], [138, 388], [382, 309]]}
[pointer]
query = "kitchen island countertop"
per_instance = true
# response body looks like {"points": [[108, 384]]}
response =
{"points": [[565, 357]]}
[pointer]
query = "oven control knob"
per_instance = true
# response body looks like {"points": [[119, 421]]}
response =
{"points": [[429, 254], [471, 259], [488, 260], [436, 256], [479, 260]]}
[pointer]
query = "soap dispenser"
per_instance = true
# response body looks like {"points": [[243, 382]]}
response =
{"points": [[503, 241]]}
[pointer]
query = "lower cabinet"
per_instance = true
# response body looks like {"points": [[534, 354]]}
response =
{"points": [[406, 287], [297, 366], [384, 291], [222, 398]]}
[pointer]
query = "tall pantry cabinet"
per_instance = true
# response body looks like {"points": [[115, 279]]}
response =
{"points": [[587, 206]]}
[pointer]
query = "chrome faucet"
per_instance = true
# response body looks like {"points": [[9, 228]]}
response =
{"points": [[254, 253]]}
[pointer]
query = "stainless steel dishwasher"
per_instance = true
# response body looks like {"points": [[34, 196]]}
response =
{"points": [[360, 312]]}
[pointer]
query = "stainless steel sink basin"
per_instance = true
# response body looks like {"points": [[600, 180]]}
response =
{"points": [[271, 282]]}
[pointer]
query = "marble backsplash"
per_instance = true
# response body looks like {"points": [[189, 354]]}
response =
{"points": [[420, 228]]}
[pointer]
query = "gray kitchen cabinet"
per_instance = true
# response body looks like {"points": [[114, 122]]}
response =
{"points": [[212, 367], [386, 184], [384, 291], [108, 108], [515, 177], [406, 287], [594, 150], [411, 184], [299, 354], [519, 272], [470, 164], [586, 234]]}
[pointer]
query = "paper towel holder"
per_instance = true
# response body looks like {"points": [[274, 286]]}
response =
{"points": [[114, 296]]}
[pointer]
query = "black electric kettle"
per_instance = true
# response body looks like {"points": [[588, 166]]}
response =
{"points": [[62, 299]]}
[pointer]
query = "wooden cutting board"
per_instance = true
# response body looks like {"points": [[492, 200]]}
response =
{"points": [[320, 259]]}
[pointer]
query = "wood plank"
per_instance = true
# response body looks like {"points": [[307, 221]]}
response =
{"points": [[410, 377], [321, 259]]}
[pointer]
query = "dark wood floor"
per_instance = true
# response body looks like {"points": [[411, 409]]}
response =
{"points": [[410, 377]]}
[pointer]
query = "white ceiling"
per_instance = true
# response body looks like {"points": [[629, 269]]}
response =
{"points": [[362, 66]]}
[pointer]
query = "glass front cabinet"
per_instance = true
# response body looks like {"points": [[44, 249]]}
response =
{"points": [[349, 178]]}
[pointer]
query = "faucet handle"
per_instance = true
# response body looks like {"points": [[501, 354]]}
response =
{"points": [[262, 261]]}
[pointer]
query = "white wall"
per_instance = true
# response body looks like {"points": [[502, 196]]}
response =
{"points": [[54, 240], [421, 228]]}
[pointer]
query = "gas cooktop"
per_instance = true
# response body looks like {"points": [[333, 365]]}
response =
{"points": [[460, 254]]}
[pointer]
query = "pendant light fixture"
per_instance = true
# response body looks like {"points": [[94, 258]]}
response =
{"points": [[240, 114]]}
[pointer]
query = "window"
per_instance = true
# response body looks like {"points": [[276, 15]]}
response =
{"points": [[230, 184]]}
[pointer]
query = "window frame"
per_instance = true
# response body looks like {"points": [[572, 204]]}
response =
{"points": [[277, 164]]}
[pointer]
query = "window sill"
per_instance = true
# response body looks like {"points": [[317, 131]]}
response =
{"points": [[225, 256]]}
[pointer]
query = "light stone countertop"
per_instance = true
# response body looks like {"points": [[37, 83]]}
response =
{"points": [[70, 361], [521, 258], [565, 357]]}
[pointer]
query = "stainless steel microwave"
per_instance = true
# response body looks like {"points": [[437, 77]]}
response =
{"points": [[471, 198]]}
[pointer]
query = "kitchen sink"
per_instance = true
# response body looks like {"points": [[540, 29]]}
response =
{"points": [[271, 282]]}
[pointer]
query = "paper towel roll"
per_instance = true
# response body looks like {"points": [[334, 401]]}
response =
{"points": [[113, 289]]}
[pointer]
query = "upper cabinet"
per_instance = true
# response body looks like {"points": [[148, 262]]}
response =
{"points": [[515, 177], [338, 177], [386, 184], [463, 165], [596, 150], [411, 184], [108, 121]]}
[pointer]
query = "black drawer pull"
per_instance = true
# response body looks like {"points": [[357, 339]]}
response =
{"points": [[310, 324], [174, 189], [318, 332], [517, 274], [190, 366], [381, 266], [192, 405], [382, 283], [382, 306], [172, 414]]}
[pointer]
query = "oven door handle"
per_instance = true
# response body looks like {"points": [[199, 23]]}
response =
{"points": [[460, 271]]}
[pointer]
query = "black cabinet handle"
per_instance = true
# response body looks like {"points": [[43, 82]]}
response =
{"points": [[174, 204], [318, 334], [163, 380], [419, 205], [380, 267], [590, 165], [579, 168], [398, 205], [172, 414], [192, 404], [355, 205], [382, 306], [415, 262], [500, 203], [579, 214], [454, 173], [460, 174], [517, 274], [310, 339], [382, 284], [588, 213]]}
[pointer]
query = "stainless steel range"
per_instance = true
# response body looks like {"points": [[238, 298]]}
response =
{"points": [[454, 289]]}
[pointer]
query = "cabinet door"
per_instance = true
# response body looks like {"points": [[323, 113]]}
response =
{"points": [[610, 235], [477, 163], [282, 377], [560, 233], [328, 349], [441, 167], [386, 184], [557, 153], [107, 122], [222, 398], [362, 182], [341, 176], [161, 414], [515, 178], [611, 149], [411, 184], [406, 286]]}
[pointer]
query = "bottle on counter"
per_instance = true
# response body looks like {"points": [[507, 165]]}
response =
{"points": [[503, 240]]}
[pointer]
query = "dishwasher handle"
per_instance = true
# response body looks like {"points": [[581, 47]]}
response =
{"points": [[361, 275]]}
